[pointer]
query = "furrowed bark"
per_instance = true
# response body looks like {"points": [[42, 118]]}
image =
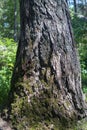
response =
{"points": [[46, 82]]}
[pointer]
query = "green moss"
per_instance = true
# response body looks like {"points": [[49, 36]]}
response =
{"points": [[44, 83], [34, 114], [40, 108], [25, 86]]}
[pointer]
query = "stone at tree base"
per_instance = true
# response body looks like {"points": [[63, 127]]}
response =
{"points": [[4, 125]]}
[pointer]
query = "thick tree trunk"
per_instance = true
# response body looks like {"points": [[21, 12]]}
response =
{"points": [[46, 82]]}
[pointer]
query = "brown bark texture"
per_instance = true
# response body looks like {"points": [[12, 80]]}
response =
{"points": [[46, 82]]}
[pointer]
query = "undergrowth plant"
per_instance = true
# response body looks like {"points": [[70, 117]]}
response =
{"points": [[7, 59]]}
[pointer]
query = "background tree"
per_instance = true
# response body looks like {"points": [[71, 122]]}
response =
{"points": [[79, 6], [75, 6], [46, 82], [9, 19]]}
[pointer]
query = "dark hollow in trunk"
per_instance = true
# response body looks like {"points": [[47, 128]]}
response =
{"points": [[46, 83]]}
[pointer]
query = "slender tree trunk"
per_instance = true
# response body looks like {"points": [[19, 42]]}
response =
{"points": [[46, 82], [15, 20], [75, 6]]}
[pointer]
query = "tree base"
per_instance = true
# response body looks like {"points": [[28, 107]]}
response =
{"points": [[33, 108]]}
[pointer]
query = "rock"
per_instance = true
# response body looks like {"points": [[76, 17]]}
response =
{"points": [[4, 125]]}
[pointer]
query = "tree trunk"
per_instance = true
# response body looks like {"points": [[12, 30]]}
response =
{"points": [[46, 83], [15, 20], [75, 6]]}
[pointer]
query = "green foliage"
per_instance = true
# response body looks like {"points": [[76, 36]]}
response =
{"points": [[80, 32], [7, 58]]}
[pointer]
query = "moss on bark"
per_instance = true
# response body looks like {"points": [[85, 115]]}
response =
{"points": [[35, 105]]}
